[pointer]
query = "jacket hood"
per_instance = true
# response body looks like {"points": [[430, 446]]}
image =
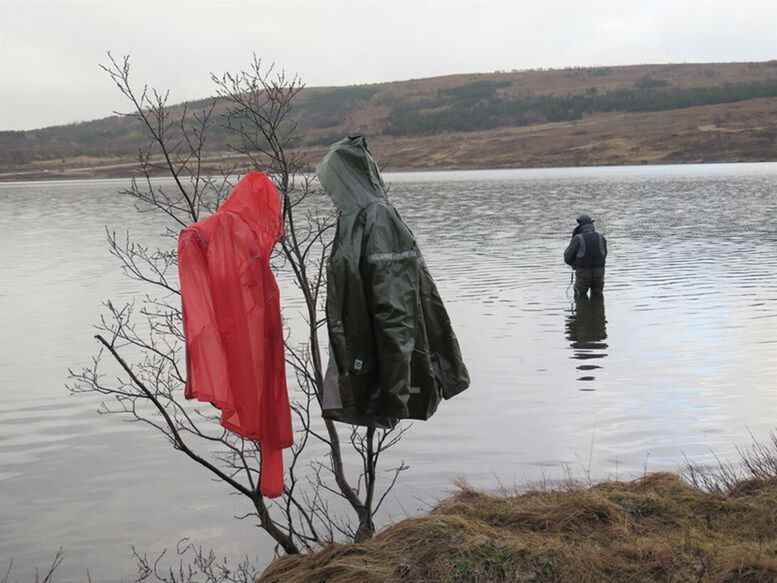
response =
{"points": [[256, 201], [350, 175], [584, 220]]}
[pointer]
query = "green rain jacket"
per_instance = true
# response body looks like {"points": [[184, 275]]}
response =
{"points": [[393, 353]]}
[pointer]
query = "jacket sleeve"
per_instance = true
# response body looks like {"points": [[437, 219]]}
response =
{"points": [[604, 240], [571, 251], [390, 275], [206, 369]]}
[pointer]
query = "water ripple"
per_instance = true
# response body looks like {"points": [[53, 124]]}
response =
{"points": [[678, 358]]}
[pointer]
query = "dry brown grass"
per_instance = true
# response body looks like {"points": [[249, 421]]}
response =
{"points": [[730, 132], [658, 528]]}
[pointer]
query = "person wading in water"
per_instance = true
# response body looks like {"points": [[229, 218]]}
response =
{"points": [[587, 254]]}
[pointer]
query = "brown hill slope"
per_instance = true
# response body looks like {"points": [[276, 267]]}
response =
{"points": [[582, 116]]}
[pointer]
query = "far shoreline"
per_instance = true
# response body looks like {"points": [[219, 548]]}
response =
{"points": [[109, 172]]}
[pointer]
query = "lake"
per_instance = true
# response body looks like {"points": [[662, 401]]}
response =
{"points": [[679, 359]]}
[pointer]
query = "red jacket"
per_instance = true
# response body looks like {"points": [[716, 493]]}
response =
{"points": [[232, 320]]}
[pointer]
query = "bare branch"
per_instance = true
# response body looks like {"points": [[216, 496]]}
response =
{"points": [[145, 340]]}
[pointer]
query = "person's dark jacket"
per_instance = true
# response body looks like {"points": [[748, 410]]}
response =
{"points": [[393, 351], [587, 250]]}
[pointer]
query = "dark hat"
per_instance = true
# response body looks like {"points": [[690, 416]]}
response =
{"points": [[584, 220]]}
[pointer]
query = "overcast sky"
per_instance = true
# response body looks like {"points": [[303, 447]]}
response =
{"points": [[51, 49]]}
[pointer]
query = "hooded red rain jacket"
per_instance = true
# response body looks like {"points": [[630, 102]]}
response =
{"points": [[232, 320]]}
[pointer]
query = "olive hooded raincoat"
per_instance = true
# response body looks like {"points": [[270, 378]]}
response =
{"points": [[393, 351]]}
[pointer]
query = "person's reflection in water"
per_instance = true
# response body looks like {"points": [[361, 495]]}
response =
{"points": [[587, 332]]}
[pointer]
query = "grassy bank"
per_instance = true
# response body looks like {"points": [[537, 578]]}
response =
{"points": [[658, 528]]}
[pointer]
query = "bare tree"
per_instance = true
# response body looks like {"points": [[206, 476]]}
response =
{"points": [[143, 340], [193, 566], [46, 578]]}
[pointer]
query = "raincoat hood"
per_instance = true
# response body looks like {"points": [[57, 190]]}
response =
{"points": [[350, 175], [256, 202], [584, 220]]}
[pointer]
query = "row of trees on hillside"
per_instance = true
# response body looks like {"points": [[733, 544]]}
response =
{"points": [[458, 111]]}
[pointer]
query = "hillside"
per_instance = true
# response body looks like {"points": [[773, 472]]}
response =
{"points": [[643, 114]]}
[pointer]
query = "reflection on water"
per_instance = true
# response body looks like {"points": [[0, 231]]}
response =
{"points": [[586, 328]]}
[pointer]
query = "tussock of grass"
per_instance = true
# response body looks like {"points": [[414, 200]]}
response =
{"points": [[658, 528]]}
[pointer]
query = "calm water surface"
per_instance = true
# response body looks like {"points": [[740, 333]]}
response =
{"points": [[680, 357]]}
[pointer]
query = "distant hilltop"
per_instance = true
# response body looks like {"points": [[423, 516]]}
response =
{"points": [[582, 116]]}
